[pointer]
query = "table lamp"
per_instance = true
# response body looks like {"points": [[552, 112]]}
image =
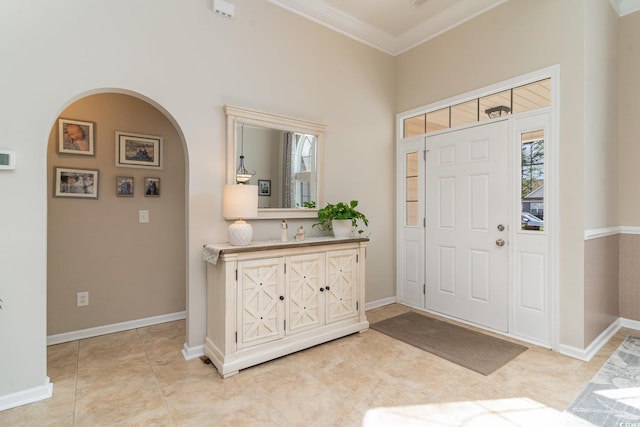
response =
{"points": [[240, 201]]}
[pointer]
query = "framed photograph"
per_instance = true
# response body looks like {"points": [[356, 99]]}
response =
{"points": [[76, 183], [151, 187], [138, 151], [264, 187], [124, 186], [76, 137]]}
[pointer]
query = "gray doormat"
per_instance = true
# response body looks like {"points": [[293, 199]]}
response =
{"points": [[612, 398], [473, 350]]}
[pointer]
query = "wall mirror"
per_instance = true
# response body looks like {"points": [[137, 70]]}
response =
{"points": [[281, 155]]}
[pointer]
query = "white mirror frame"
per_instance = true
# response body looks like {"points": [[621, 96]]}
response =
{"points": [[237, 115]]}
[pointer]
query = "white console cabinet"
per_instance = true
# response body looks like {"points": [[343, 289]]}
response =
{"points": [[270, 299]]}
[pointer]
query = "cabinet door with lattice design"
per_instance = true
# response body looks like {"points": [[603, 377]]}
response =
{"points": [[341, 286], [305, 290], [260, 301]]}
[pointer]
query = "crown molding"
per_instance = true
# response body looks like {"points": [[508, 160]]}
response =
{"points": [[625, 7], [333, 18], [450, 18], [337, 20], [462, 11]]}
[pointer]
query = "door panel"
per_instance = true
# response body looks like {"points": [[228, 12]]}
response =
{"points": [[261, 312], [466, 200], [341, 287], [305, 302]]}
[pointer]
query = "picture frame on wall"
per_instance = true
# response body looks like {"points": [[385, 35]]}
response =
{"points": [[124, 186], [76, 137], [151, 187], [75, 183], [135, 150], [264, 187]]}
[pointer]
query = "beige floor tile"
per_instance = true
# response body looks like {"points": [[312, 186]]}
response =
{"points": [[240, 411], [140, 377], [117, 402]]}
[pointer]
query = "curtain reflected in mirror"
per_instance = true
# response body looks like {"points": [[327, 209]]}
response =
{"points": [[287, 159]]}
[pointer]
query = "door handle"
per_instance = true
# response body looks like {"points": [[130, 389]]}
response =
{"points": [[500, 242]]}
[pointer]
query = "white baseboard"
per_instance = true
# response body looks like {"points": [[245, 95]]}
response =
{"points": [[631, 324], [587, 353], [192, 352], [24, 397], [379, 303], [116, 327]]}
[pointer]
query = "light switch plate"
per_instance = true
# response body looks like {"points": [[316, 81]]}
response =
{"points": [[143, 216]]}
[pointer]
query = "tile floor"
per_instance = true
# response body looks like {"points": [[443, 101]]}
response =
{"points": [[139, 377]]}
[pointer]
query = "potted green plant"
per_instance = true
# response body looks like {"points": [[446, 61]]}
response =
{"points": [[341, 218]]}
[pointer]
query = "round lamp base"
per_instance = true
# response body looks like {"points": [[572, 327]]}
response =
{"points": [[240, 233]]}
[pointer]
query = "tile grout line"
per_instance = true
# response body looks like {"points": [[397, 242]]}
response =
{"points": [[75, 385], [155, 377]]}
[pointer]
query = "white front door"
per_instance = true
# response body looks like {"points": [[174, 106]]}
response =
{"points": [[467, 204]]}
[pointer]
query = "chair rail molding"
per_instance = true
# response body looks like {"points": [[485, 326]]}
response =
{"points": [[596, 233]]}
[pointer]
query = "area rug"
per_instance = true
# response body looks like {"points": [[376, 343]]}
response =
{"points": [[473, 350], [612, 398]]}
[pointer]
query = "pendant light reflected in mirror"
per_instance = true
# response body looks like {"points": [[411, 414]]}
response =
{"points": [[242, 174]]}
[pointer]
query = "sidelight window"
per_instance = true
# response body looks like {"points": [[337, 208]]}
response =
{"points": [[411, 189], [532, 180]]}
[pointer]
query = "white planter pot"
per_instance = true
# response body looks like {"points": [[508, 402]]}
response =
{"points": [[342, 228]]}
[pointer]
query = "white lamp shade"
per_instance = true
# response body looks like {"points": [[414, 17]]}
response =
{"points": [[240, 201]]}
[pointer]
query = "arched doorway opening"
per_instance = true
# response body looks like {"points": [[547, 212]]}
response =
{"points": [[115, 254]]}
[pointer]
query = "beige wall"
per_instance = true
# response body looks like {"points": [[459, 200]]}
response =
{"points": [[516, 38], [130, 270], [602, 262], [630, 276], [629, 173], [601, 285], [629, 112], [601, 115]]}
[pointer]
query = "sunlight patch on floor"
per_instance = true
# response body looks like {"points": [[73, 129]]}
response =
{"points": [[496, 413]]}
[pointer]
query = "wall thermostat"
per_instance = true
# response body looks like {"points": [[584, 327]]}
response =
{"points": [[7, 159]]}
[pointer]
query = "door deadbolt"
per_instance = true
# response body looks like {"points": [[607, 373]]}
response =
{"points": [[500, 227]]}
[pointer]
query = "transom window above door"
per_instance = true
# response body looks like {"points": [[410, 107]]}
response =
{"points": [[511, 101]]}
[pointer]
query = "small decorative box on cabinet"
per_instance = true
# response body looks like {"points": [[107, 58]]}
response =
{"points": [[270, 299]]}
